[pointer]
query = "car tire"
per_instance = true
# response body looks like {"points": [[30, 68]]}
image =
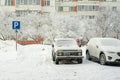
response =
{"points": [[88, 55], [80, 61], [56, 61], [102, 59]]}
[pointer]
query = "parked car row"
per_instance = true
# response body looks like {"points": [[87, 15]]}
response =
{"points": [[102, 49]]}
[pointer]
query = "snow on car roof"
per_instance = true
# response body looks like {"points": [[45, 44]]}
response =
{"points": [[105, 38], [108, 41], [64, 39]]}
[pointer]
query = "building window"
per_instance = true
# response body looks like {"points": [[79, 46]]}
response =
{"points": [[17, 2], [38, 2], [102, 8], [91, 17], [79, 8], [60, 8], [82, 8], [25, 2], [67, 0], [25, 12], [93, 8], [22, 1], [88, 8], [71, 9], [114, 0], [114, 8], [47, 2], [95, 0], [8, 2], [60, 0], [34, 1], [28, 2], [71, 0]]}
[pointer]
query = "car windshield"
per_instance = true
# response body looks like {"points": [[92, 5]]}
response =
{"points": [[61, 43], [110, 42]]}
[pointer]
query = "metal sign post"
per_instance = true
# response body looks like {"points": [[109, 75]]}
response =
{"points": [[16, 39], [16, 26]]}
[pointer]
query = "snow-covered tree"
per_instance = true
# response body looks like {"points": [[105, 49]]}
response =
{"points": [[90, 28], [116, 24], [104, 25], [5, 25], [53, 25]]}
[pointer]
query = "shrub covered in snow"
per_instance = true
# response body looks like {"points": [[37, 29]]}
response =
{"points": [[55, 25]]}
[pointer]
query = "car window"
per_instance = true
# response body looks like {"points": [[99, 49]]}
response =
{"points": [[61, 43]]}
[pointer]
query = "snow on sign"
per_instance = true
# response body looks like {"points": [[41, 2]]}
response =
{"points": [[16, 25]]}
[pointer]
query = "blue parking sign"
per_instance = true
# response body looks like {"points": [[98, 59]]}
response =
{"points": [[16, 25]]}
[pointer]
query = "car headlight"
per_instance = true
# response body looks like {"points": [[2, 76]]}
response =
{"points": [[60, 54], [80, 51]]}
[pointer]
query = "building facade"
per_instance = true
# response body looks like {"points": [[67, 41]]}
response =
{"points": [[27, 6], [83, 8]]}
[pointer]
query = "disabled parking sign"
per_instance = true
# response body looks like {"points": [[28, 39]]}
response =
{"points": [[16, 25]]}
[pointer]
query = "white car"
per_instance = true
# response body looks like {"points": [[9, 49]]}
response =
{"points": [[66, 49], [103, 49]]}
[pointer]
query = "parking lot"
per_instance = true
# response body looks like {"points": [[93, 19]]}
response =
{"points": [[34, 62]]}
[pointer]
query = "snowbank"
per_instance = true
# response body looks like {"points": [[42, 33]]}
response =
{"points": [[34, 62]]}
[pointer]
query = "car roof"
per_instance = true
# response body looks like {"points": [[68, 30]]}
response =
{"points": [[99, 39], [63, 39]]}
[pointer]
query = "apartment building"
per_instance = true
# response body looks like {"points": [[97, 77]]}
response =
{"points": [[85, 8], [27, 6]]}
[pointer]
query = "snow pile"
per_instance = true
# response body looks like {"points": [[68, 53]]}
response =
{"points": [[7, 51], [34, 62]]}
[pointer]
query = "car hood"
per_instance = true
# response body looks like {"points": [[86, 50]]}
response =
{"points": [[67, 48], [111, 48]]}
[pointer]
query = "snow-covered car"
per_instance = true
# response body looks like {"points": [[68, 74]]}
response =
{"points": [[104, 50], [66, 49]]}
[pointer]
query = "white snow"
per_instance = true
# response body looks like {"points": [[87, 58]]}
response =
{"points": [[34, 62]]}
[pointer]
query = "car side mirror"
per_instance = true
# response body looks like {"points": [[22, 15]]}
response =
{"points": [[53, 45], [97, 46]]}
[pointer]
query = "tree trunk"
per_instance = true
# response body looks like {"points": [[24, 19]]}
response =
{"points": [[3, 38]]}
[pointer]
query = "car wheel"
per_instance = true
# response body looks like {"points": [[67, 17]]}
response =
{"points": [[102, 59], [56, 61], [80, 61], [88, 55]]}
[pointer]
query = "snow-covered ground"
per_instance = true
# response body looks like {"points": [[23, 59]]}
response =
{"points": [[34, 62]]}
